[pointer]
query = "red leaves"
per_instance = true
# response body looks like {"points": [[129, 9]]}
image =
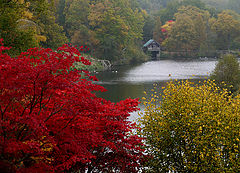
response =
{"points": [[2, 48], [52, 121], [93, 78], [163, 30], [85, 61]]}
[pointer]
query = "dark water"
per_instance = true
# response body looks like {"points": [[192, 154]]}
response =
{"points": [[131, 81]]}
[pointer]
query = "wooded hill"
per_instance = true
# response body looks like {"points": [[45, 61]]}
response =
{"points": [[116, 29], [200, 28]]}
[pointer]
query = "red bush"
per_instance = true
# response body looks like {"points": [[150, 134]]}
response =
{"points": [[52, 121]]}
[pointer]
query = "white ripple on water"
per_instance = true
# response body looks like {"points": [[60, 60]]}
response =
{"points": [[169, 69]]}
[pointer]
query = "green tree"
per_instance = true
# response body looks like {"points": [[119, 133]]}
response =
{"points": [[218, 4], [151, 6], [168, 13], [148, 27], [77, 24], [44, 16], [117, 27], [76, 15], [192, 129], [11, 12], [195, 3], [157, 31], [200, 19], [227, 29], [60, 16], [107, 27], [227, 70], [29, 23], [111, 30]]}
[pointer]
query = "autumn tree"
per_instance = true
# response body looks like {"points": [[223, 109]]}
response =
{"points": [[191, 128], [117, 26], [166, 28], [182, 36], [29, 23], [189, 32], [113, 28], [227, 29], [52, 121]]}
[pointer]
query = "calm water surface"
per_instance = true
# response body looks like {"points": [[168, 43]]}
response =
{"points": [[132, 81]]}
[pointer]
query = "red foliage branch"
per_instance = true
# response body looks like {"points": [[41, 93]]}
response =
{"points": [[51, 120]]}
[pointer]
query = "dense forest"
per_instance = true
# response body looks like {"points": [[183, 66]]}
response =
{"points": [[116, 29]]}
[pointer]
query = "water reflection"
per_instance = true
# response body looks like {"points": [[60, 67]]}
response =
{"points": [[169, 69], [129, 81], [119, 91]]}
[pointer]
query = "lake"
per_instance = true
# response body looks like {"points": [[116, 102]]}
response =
{"points": [[131, 81]]}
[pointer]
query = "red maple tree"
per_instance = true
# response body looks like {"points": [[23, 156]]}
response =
{"points": [[52, 121]]}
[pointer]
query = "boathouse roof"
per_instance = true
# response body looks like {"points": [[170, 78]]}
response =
{"points": [[150, 42]]}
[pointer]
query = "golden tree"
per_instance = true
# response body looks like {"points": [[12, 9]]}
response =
{"points": [[227, 29], [192, 128]]}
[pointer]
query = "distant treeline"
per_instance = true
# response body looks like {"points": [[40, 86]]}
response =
{"points": [[116, 29], [194, 26], [111, 29]]}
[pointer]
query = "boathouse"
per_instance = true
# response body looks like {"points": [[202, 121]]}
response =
{"points": [[153, 47]]}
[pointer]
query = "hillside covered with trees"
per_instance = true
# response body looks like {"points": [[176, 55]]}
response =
{"points": [[116, 29], [194, 27]]}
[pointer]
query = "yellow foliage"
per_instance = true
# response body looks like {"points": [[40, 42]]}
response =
{"points": [[40, 38], [46, 147], [144, 13], [168, 25], [27, 15], [192, 129], [19, 1]]}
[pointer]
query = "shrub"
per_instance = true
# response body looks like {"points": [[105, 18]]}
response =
{"points": [[192, 129], [227, 73], [51, 120]]}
